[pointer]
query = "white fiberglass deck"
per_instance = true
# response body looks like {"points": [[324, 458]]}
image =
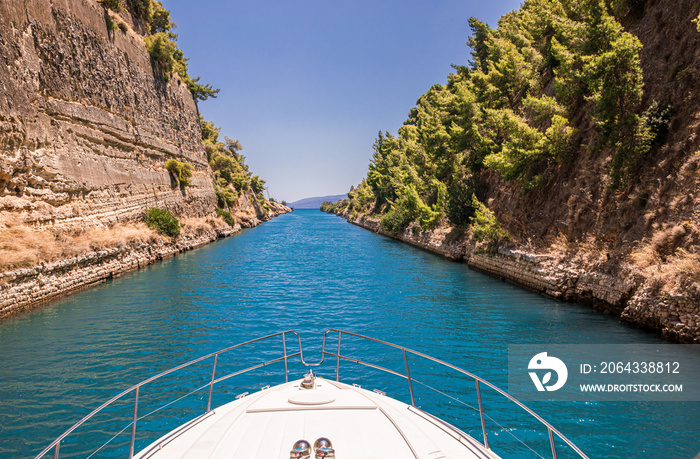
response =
{"points": [[360, 424]]}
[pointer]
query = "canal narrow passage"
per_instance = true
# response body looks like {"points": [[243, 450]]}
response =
{"points": [[309, 271]]}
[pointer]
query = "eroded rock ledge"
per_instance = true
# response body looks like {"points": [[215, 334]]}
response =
{"points": [[22, 289], [608, 289]]}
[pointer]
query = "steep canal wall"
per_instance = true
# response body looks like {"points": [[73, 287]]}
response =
{"points": [[605, 285], [88, 122], [612, 223]]}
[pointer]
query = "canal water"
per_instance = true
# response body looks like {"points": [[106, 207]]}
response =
{"points": [[308, 271]]}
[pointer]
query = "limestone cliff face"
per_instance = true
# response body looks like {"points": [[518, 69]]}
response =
{"points": [[87, 122], [664, 186]]}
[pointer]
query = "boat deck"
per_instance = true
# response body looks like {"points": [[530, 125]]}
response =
{"points": [[360, 424]]}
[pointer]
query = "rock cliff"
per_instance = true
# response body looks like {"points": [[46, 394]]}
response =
{"points": [[582, 279], [87, 122]]}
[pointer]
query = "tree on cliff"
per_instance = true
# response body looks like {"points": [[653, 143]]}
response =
{"points": [[231, 173], [510, 111], [162, 43], [163, 49], [114, 5]]}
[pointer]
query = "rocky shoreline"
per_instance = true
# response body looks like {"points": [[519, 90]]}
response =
{"points": [[610, 290], [27, 288]]}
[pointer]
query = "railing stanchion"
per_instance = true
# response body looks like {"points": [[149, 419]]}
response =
{"points": [[337, 364], [552, 431], [481, 414], [408, 376], [211, 383], [551, 442], [284, 347], [133, 425]]}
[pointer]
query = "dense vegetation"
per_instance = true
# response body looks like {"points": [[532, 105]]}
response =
{"points": [[163, 221], [333, 207], [181, 172], [161, 41], [550, 70], [231, 173]]}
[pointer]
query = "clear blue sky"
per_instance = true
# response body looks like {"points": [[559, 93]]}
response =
{"points": [[307, 84]]}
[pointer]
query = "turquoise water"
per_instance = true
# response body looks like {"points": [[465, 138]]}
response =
{"points": [[308, 271]]}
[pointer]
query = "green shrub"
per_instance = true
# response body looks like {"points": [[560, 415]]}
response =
{"points": [[622, 8], [114, 5], [397, 219], [228, 218], [524, 151], [361, 198], [225, 197], [657, 119], [163, 49], [181, 171], [226, 161], [628, 154], [159, 18], [485, 226], [143, 9], [153, 15], [460, 208], [210, 133], [163, 221], [257, 184], [333, 207], [111, 25]]}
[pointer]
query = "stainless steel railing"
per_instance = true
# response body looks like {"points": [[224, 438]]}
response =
{"points": [[55, 445], [550, 429]]}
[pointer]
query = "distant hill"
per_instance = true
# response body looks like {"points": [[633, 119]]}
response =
{"points": [[315, 202]]}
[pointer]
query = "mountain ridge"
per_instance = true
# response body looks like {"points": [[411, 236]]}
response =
{"points": [[316, 201]]}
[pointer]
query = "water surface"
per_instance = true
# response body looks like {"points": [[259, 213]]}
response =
{"points": [[309, 271]]}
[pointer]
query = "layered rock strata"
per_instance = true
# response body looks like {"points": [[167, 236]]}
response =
{"points": [[25, 288], [87, 121]]}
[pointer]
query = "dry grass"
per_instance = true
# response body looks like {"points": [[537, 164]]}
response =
{"points": [[587, 252], [669, 268], [199, 226], [677, 275], [21, 246]]}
